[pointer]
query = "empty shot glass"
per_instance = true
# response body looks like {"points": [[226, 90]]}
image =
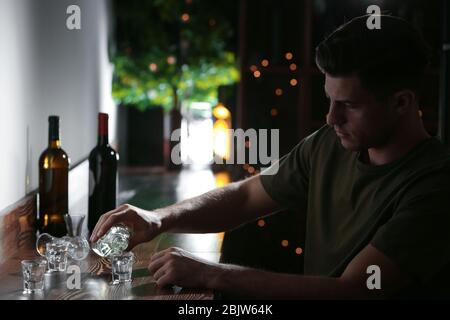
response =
{"points": [[122, 267], [56, 253], [33, 275]]}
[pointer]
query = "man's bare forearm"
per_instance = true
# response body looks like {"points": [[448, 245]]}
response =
{"points": [[242, 282], [215, 211]]}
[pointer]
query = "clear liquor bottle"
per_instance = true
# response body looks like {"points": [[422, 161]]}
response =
{"points": [[115, 241]]}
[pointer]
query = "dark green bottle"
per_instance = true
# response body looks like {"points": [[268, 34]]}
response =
{"points": [[103, 179]]}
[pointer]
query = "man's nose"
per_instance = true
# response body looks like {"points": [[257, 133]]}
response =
{"points": [[335, 115]]}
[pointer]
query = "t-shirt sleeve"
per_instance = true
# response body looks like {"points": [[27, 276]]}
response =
{"points": [[417, 237], [289, 185]]}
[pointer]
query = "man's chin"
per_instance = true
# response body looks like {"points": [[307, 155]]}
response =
{"points": [[349, 145]]}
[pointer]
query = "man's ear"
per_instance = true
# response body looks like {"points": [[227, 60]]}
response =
{"points": [[402, 101]]}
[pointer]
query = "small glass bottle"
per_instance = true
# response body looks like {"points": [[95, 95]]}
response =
{"points": [[115, 241]]}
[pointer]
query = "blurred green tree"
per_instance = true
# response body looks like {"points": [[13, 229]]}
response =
{"points": [[168, 51]]}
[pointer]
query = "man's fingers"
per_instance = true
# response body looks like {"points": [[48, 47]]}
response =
{"points": [[101, 220], [133, 243], [103, 217], [164, 281], [97, 226], [158, 254], [160, 272], [157, 263], [111, 220], [107, 223], [99, 223]]}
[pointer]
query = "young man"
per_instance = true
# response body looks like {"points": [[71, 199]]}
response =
{"points": [[376, 187]]}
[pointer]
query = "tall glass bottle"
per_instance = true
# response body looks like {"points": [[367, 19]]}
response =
{"points": [[103, 178], [53, 184]]}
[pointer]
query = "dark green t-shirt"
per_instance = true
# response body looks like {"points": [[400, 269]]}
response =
{"points": [[402, 208]]}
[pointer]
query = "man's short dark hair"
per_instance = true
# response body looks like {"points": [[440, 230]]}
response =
{"points": [[386, 60]]}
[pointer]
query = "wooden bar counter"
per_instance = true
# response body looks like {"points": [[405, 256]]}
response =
{"points": [[17, 242]]}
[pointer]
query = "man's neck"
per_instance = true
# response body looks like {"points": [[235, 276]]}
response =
{"points": [[398, 146]]}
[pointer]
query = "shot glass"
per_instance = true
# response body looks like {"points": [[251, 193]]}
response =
{"points": [[122, 267], [33, 275], [56, 253]]}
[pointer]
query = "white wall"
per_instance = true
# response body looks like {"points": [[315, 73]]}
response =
{"points": [[46, 69]]}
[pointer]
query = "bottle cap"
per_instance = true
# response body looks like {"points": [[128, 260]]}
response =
{"points": [[103, 124]]}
